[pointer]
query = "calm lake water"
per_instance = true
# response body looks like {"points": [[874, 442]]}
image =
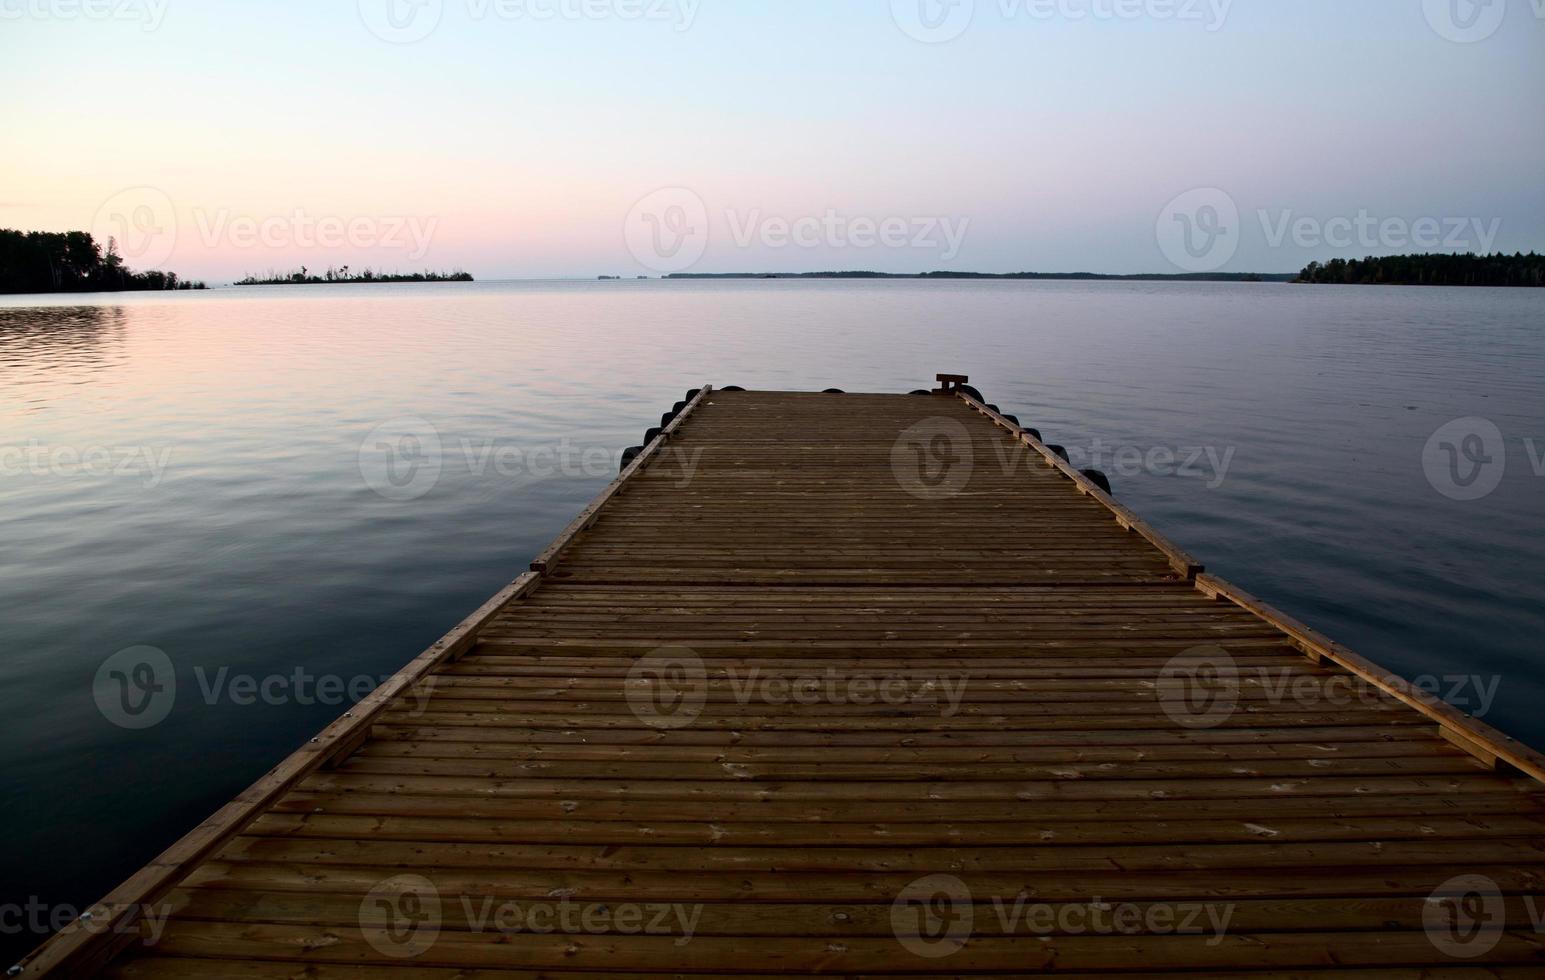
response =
{"points": [[186, 472]]}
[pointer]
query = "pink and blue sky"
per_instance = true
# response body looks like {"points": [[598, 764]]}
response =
{"points": [[518, 138]]}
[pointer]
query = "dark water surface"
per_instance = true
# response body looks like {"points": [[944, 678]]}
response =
{"points": [[186, 473]]}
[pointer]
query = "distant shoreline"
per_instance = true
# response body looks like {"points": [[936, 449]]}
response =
{"points": [[1430, 269], [1061, 276]]}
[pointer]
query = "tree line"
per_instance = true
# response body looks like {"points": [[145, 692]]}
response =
{"points": [[303, 277], [1470, 269], [72, 262]]}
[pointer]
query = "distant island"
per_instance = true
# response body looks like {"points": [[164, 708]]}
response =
{"points": [[1430, 270], [72, 262], [1096, 276], [303, 277]]}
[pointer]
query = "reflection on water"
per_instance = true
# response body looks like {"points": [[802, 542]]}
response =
{"points": [[186, 473], [73, 341]]}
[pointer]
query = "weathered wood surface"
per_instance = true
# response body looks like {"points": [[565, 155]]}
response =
{"points": [[784, 675]]}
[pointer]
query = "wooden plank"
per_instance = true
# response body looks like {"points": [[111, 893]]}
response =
{"points": [[804, 955]]}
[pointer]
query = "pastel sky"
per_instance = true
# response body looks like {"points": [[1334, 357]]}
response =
{"points": [[532, 138]]}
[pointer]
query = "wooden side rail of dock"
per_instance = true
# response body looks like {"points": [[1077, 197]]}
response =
{"points": [[866, 685]]}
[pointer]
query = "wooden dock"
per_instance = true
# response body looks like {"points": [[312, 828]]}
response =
{"points": [[865, 685]]}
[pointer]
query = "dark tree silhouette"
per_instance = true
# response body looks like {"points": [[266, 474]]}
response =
{"points": [[71, 262], [1431, 270]]}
